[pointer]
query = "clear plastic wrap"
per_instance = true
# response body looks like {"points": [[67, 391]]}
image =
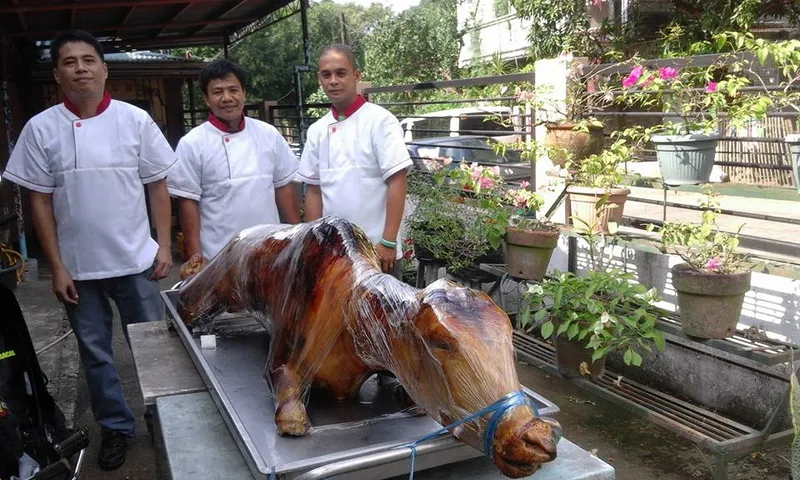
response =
{"points": [[335, 319]]}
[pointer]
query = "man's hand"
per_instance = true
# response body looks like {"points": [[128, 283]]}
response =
{"points": [[192, 266], [63, 287], [387, 257], [162, 263]]}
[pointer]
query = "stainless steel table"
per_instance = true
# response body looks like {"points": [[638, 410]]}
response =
{"points": [[194, 441]]}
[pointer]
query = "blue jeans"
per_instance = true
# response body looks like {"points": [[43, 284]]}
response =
{"points": [[138, 300]]}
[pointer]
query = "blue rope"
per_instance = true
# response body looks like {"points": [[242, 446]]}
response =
{"points": [[499, 408]]}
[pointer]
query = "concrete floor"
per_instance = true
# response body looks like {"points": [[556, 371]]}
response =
{"points": [[637, 449]]}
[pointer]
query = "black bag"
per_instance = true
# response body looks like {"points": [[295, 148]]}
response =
{"points": [[31, 421]]}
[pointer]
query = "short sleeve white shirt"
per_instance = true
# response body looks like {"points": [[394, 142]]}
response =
{"points": [[351, 160], [233, 176], [96, 169]]}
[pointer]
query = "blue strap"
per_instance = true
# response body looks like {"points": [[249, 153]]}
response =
{"points": [[498, 408]]}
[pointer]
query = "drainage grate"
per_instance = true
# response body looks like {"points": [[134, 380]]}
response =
{"points": [[700, 425]]}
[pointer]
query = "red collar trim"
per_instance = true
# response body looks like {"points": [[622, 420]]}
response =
{"points": [[213, 120], [349, 111], [101, 107]]}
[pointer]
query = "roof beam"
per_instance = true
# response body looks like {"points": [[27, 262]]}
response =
{"points": [[20, 16], [175, 18], [16, 8], [222, 15], [148, 26], [124, 20]]}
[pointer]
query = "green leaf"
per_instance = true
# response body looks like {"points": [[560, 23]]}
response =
{"points": [[659, 340], [627, 356], [599, 353], [636, 359], [562, 328], [547, 329], [573, 331], [540, 315], [524, 316]]}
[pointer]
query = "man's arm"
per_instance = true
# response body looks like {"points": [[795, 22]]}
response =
{"points": [[286, 200], [161, 212], [313, 202], [45, 224], [189, 213], [395, 204]]}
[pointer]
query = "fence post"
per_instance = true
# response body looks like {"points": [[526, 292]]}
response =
{"points": [[363, 89], [266, 111]]}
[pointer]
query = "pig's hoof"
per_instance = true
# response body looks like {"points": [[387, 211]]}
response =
{"points": [[291, 419]]}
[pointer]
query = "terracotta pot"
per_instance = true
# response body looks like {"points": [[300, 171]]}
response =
{"points": [[709, 304], [571, 353], [582, 202], [580, 144], [528, 252]]}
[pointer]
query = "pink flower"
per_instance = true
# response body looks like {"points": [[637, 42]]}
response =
{"points": [[711, 87], [667, 73], [485, 183], [496, 171], [713, 264], [524, 184], [631, 79], [648, 80]]}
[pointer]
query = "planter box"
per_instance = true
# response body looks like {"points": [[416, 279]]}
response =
{"points": [[686, 159]]}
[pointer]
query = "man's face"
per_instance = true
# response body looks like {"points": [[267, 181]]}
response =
{"points": [[80, 70], [225, 97], [338, 78]]}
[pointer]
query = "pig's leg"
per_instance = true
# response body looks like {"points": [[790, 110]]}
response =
{"points": [[290, 413]]}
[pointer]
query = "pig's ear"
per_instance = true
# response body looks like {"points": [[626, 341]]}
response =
{"points": [[433, 331]]}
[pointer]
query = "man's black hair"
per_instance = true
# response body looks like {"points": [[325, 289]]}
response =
{"points": [[221, 68], [344, 50], [74, 36]]}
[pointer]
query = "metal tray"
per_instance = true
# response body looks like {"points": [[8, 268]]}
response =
{"points": [[233, 375]]}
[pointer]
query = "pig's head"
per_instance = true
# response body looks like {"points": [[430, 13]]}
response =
{"points": [[455, 357]]}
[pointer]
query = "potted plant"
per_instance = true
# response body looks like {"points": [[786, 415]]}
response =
{"points": [[589, 317], [508, 215], [442, 230], [595, 187], [714, 278], [693, 99]]}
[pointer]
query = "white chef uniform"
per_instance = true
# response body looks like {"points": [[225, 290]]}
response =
{"points": [[351, 160], [96, 169], [233, 176]]}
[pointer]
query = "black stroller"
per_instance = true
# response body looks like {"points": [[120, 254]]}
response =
{"points": [[34, 441]]}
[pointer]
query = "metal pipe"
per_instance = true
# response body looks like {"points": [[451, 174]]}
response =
{"points": [[723, 211], [379, 458], [469, 132], [663, 114], [466, 82], [298, 79], [439, 102]]}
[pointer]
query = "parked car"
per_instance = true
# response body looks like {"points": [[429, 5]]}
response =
{"points": [[497, 122], [469, 149]]}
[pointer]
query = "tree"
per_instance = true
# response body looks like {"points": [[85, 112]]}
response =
{"points": [[419, 44], [271, 54]]}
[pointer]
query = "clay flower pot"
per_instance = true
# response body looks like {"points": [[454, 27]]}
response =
{"points": [[582, 202], [709, 304], [580, 144], [528, 252]]}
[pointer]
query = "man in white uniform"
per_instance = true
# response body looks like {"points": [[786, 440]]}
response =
{"points": [[86, 163], [233, 172], [355, 161]]}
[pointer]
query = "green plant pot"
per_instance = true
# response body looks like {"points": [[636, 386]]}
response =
{"points": [[686, 159], [709, 304], [793, 141], [571, 353], [528, 252]]}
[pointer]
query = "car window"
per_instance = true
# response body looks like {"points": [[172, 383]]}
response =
{"points": [[487, 123], [423, 127]]}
